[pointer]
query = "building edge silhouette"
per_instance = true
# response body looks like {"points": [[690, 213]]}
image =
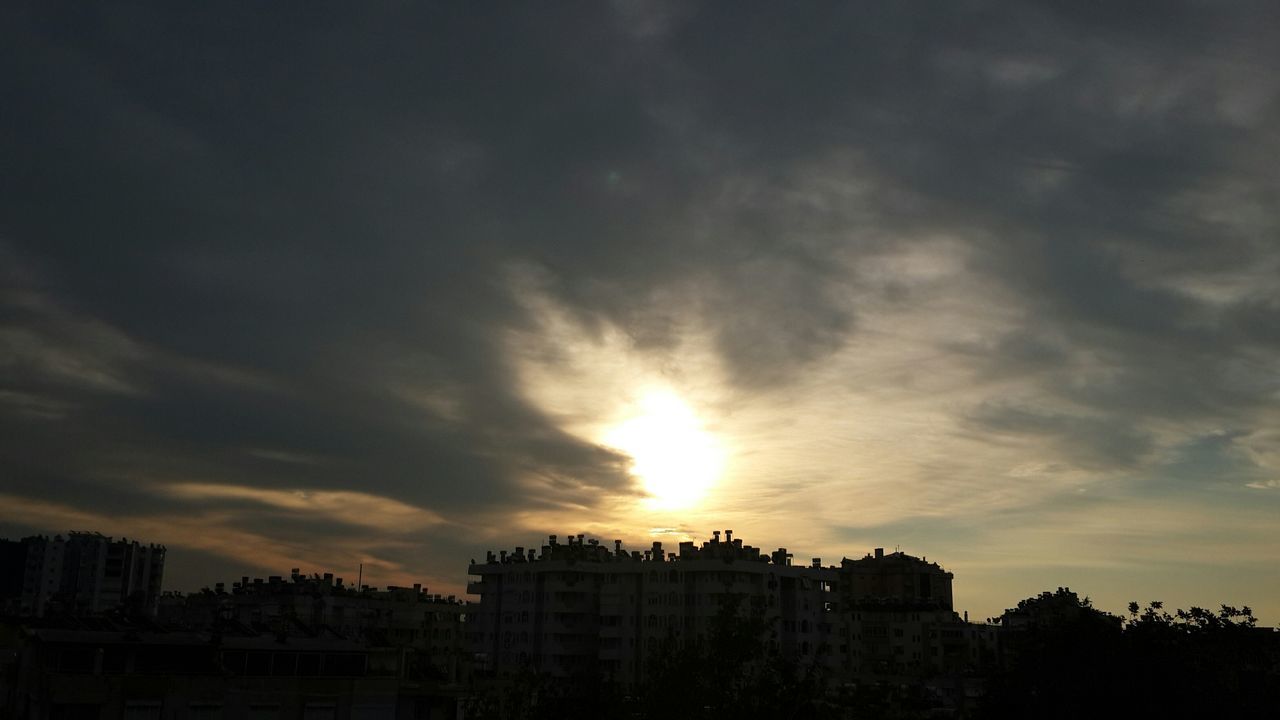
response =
{"points": [[310, 645]]}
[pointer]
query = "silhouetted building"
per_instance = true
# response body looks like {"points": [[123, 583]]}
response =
{"points": [[422, 629], [897, 625], [115, 668], [895, 579], [13, 568], [84, 573], [306, 646], [581, 606]]}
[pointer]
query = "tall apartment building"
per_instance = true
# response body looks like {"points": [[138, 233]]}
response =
{"points": [[578, 606], [84, 573]]}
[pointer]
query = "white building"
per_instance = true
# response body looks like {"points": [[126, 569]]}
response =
{"points": [[85, 573]]}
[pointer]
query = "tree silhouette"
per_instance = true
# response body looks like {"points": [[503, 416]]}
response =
{"points": [[736, 671], [1068, 660]]}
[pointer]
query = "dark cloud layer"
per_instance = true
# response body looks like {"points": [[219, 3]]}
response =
{"points": [[273, 247]]}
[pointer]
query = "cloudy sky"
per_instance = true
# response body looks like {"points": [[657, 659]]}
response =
{"points": [[294, 286]]}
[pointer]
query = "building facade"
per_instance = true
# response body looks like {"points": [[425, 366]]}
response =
{"points": [[579, 605], [423, 631], [83, 573], [570, 607], [898, 625], [119, 669]]}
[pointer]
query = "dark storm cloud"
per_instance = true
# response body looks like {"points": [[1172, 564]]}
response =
{"points": [[256, 201], [271, 247]]}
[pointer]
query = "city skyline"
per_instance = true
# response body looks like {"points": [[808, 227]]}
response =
{"points": [[388, 286]]}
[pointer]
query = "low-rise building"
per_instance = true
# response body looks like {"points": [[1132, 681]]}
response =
{"points": [[117, 668], [423, 630]]}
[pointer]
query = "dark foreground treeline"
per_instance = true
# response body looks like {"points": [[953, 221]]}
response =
{"points": [[1060, 658], [1189, 663]]}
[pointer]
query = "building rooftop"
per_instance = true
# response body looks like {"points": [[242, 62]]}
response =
{"points": [[579, 548]]}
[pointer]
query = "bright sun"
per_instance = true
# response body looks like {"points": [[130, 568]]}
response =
{"points": [[671, 453]]}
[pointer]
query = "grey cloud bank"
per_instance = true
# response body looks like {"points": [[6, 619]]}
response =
{"points": [[273, 248]]}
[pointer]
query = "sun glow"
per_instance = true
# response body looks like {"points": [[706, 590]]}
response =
{"points": [[675, 458]]}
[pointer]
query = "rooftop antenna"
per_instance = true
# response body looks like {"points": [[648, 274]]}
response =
{"points": [[360, 579]]}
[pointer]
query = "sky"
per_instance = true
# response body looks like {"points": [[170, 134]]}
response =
{"points": [[320, 285]]}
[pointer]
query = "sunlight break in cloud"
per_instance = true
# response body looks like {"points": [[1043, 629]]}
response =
{"points": [[671, 452]]}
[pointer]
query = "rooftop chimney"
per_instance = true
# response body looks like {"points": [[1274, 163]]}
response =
{"points": [[728, 536], [715, 534], [879, 552]]}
